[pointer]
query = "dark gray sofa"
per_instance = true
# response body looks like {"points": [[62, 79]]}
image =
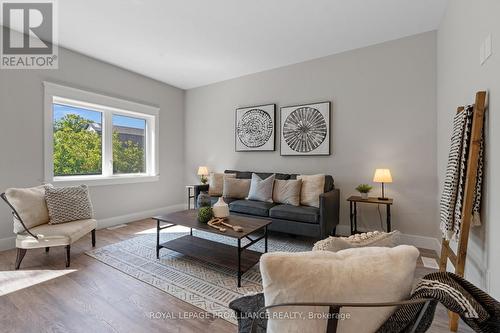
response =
{"points": [[302, 220]]}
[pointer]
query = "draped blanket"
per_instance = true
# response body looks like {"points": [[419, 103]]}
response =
{"points": [[476, 308], [456, 172]]}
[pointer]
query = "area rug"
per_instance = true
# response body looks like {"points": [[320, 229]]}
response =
{"points": [[204, 285]]}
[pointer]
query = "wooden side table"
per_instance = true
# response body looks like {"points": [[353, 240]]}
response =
{"points": [[353, 205]]}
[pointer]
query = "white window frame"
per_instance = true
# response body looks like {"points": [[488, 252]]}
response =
{"points": [[55, 93]]}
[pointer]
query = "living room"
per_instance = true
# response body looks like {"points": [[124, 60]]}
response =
{"points": [[170, 165]]}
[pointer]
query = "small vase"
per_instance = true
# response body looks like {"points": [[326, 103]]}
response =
{"points": [[364, 196], [203, 200], [221, 209]]}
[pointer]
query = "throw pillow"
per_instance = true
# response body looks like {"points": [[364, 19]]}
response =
{"points": [[366, 275], [312, 187], [66, 204], [30, 205], [374, 238], [216, 183], [236, 188], [287, 191], [261, 189]]}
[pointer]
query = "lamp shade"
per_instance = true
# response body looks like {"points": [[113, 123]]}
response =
{"points": [[382, 176], [203, 171]]}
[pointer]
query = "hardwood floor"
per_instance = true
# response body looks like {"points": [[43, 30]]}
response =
{"points": [[90, 296]]}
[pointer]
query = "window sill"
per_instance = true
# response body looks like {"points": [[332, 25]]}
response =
{"points": [[101, 181]]}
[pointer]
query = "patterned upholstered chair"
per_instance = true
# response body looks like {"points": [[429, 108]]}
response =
{"points": [[31, 223]]}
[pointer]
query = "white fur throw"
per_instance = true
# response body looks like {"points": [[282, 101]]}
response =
{"points": [[372, 238], [370, 274]]}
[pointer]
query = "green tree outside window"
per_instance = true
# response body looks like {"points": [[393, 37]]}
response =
{"points": [[78, 150]]}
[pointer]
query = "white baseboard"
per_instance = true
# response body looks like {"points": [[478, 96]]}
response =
{"points": [[112, 221], [422, 242], [10, 242], [7, 243]]}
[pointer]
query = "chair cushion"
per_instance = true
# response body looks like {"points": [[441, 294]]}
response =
{"points": [[67, 204], [55, 234], [295, 213], [30, 205], [250, 207], [366, 275]]}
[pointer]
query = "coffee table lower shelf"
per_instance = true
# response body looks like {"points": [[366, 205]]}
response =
{"points": [[214, 252]]}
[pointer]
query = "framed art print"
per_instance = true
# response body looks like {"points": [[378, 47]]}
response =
{"points": [[305, 129], [255, 128]]}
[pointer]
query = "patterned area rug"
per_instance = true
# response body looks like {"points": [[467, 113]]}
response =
{"points": [[204, 285]]}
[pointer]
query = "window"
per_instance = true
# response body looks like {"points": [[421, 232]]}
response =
{"points": [[97, 139]]}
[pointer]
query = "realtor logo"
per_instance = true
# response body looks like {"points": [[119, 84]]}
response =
{"points": [[28, 35]]}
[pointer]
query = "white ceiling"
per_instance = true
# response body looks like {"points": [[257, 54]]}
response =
{"points": [[190, 43]]}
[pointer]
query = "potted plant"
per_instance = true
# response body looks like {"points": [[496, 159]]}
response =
{"points": [[205, 214], [364, 189]]}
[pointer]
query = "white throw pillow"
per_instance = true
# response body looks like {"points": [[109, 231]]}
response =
{"points": [[312, 187], [30, 205], [261, 189], [365, 275], [372, 238], [287, 191], [216, 183]]}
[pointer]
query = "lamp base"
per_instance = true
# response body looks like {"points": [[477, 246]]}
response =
{"points": [[383, 198]]}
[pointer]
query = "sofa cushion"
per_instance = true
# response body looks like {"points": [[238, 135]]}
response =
{"points": [[295, 213], [216, 183], [262, 175], [30, 204], [236, 188], [261, 189], [312, 187], [287, 191], [250, 207], [55, 234], [329, 183], [370, 274]]}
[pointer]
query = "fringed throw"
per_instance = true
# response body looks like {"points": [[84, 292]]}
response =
{"points": [[476, 308], [456, 172]]}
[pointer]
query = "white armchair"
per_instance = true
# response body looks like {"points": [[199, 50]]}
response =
{"points": [[31, 223]]}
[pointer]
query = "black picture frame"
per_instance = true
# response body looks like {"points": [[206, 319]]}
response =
{"points": [[270, 143], [325, 147]]}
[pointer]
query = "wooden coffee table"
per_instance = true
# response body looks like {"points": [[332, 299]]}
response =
{"points": [[210, 251]]}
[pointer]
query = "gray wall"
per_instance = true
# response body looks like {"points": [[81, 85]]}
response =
{"points": [[383, 115], [21, 133], [460, 75]]}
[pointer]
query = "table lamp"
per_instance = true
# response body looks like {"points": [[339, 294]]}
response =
{"points": [[203, 173], [382, 176]]}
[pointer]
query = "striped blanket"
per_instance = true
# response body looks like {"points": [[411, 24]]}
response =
{"points": [[476, 308], [454, 184]]}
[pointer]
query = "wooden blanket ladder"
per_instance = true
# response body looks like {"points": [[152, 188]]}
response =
{"points": [[458, 259]]}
